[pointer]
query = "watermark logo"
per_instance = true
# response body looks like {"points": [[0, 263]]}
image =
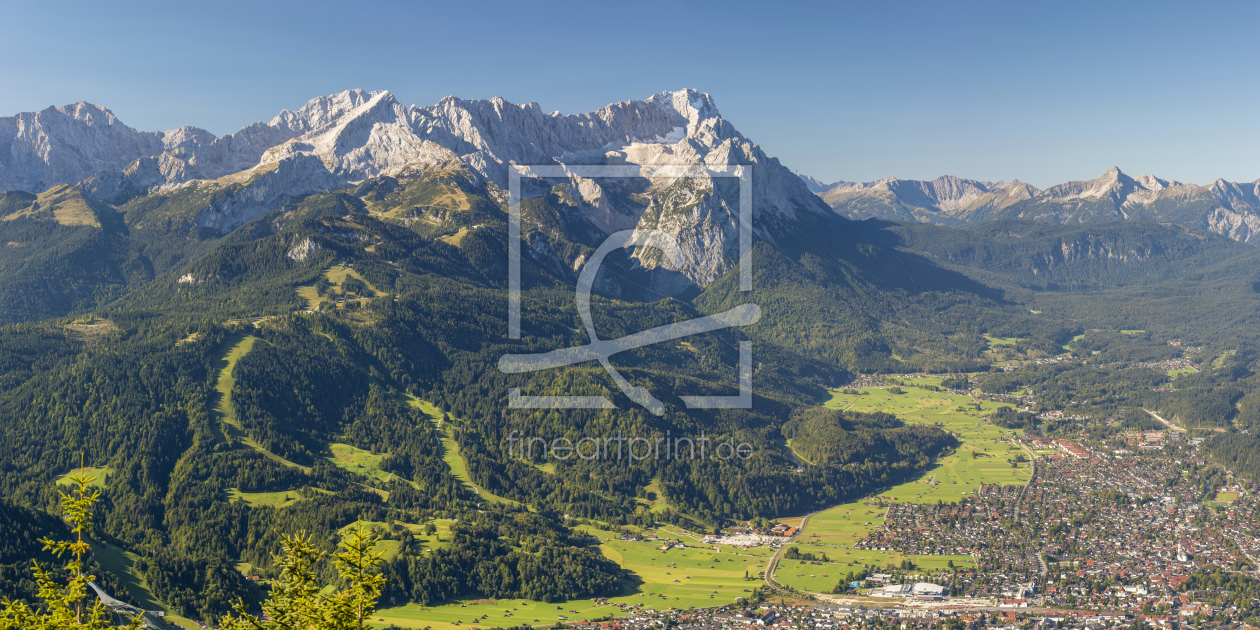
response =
{"points": [[602, 349], [631, 448]]}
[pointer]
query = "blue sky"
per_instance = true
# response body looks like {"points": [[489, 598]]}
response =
{"points": [[1042, 92]]}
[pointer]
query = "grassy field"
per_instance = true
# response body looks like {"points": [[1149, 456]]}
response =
{"points": [[336, 275], [982, 458], [450, 449], [1227, 497], [456, 238], [229, 426], [238, 346], [437, 540], [1002, 341], [1175, 373], [655, 497], [122, 565], [101, 474], [65, 204], [266, 499], [358, 461], [91, 328], [697, 576]]}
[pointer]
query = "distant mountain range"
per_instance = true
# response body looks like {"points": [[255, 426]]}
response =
{"points": [[1228, 208], [345, 139]]}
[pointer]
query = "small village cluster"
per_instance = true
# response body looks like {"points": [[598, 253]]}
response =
{"points": [[1105, 535], [1117, 530], [852, 617]]}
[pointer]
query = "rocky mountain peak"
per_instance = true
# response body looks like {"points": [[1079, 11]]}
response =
{"points": [[86, 112], [325, 110], [1228, 208], [61, 145], [815, 185], [352, 136]]}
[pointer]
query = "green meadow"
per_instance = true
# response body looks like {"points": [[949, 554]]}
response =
{"points": [[450, 449], [280, 499], [697, 576], [660, 578], [439, 539], [238, 345], [357, 460], [981, 459], [336, 276], [1002, 341]]}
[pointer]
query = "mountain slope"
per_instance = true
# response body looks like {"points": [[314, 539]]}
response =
{"points": [[1075, 257], [1231, 209], [185, 180], [945, 200]]}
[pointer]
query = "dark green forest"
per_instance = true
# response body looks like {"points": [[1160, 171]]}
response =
{"points": [[115, 343]]}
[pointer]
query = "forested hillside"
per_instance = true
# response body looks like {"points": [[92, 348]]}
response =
{"points": [[334, 361]]}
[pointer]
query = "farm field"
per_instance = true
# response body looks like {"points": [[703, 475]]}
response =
{"points": [[681, 578], [980, 459]]}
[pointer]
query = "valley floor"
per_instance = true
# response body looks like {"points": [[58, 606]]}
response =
{"points": [[981, 459]]}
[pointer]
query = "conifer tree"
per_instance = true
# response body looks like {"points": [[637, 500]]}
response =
{"points": [[64, 607], [295, 602]]}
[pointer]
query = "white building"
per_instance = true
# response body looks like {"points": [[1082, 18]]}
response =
{"points": [[894, 590], [928, 590]]}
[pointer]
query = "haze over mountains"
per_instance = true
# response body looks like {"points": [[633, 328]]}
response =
{"points": [[1228, 208]]}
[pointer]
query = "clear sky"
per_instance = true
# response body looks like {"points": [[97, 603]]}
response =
{"points": [[1042, 92]]}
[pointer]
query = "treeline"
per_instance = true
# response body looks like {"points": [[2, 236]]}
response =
{"points": [[1009, 418], [1062, 385], [794, 553], [832, 438], [196, 586], [1239, 452], [505, 554]]}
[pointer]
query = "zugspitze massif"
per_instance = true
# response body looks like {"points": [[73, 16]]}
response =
{"points": [[338, 140]]}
